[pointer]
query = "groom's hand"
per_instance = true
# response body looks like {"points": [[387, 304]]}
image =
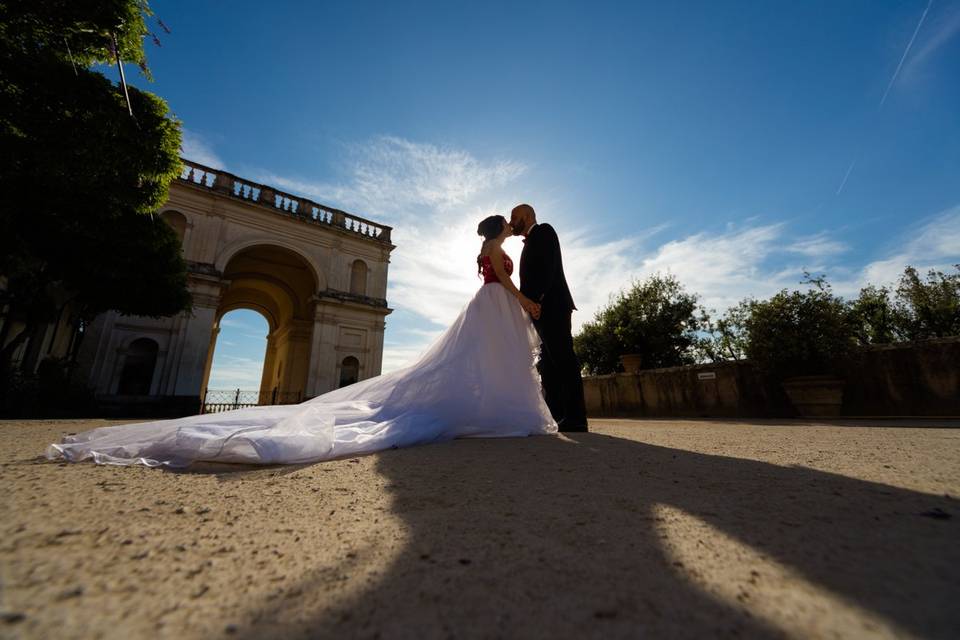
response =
{"points": [[534, 311]]}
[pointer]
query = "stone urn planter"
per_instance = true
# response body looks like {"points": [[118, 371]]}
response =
{"points": [[631, 362], [815, 396]]}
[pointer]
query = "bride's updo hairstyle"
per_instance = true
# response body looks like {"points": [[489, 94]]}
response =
{"points": [[489, 228]]}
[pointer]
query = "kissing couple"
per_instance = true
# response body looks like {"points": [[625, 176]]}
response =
{"points": [[477, 380]]}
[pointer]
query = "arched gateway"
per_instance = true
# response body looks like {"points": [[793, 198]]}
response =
{"points": [[317, 274]]}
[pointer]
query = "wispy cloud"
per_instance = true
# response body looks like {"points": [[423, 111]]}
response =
{"points": [[251, 329], [435, 197], [197, 148], [906, 52], [723, 268], [235, 372], [818, 246], [932, 244], [401, 179], [397, 355], [942, 31]]}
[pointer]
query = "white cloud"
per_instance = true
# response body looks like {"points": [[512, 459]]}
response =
{"points": [[723, 268], [197, 148], [817, 246], [933, 244], [397, 178], [946, 27], [435, 196], [235, 372]]}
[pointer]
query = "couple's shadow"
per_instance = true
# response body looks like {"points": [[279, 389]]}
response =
{"points": [[574, 537]]}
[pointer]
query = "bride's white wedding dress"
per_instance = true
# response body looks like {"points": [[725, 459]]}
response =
{"points": [[476, 380]]}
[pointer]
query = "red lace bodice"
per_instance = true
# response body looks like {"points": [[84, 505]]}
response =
{"points": [[489, 275]]}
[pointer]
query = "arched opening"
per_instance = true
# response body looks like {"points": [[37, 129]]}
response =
{"points": [[239, 348], [176, 220], [139, 363], [358, 278], [279, 285], [349, 371]]}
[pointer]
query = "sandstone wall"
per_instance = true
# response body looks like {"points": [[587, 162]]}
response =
{"points": [[910, 379]]}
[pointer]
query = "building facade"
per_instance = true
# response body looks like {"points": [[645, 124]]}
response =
{"points": [[317, 274]]}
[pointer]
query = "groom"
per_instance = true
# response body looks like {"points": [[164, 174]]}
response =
{"points": [[542, 280]]}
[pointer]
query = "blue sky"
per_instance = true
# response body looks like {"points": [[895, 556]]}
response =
{"points": [[732, 144]]}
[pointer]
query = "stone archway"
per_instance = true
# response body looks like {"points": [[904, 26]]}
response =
{"points": [[318, 274], [281, 285]]}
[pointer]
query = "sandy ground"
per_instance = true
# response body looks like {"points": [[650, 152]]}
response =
{"points": [[642, 528]]}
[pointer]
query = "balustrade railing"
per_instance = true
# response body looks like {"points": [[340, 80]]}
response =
{"points": [[198, 175], [279, 201], [218, 400]]}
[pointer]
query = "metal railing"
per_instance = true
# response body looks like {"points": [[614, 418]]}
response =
{"points": [[280, 202], [217, 400]]}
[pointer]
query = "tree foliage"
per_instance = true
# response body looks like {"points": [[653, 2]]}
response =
{"points": [[874, 318], [724, 338], [80, 178], [657, 319], [797, 333], [802, 332], [928, 308]]}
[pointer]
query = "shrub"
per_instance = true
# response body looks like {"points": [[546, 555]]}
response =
{"points": [[928, 308], [657, 319], [797, 333]]}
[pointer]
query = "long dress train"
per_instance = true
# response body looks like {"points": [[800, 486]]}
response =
{"points": [[476, 380]]}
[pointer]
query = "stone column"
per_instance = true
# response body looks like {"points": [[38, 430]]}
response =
{"points": [[197, 336], [209, 363], [269, 362], [155, 381], [193, 358], [322, 352], [313, 374], [376, 349], [118, 365]]}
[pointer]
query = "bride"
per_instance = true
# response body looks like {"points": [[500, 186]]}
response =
{"points": [[476, 380]]}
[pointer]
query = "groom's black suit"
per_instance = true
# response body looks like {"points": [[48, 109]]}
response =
{"points": [[542, 280]]}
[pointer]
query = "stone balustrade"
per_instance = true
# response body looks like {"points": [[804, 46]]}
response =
{"points": [[281, 202]]}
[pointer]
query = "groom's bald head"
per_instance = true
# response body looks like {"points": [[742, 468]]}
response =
{"points": [[522, 217]]}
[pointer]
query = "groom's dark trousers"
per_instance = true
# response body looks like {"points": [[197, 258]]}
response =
{"points": [[542, 280]]}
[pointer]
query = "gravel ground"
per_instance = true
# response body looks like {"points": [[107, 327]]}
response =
{"points": [[642, 528]]}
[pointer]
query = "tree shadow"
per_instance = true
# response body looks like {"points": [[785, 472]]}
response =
{"points": [[553, 536]]}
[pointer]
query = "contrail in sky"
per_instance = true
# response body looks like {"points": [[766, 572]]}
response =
{"points": [[905, 52], [893, 79], [847, 175]]}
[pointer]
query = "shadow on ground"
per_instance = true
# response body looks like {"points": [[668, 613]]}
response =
{"points": [[565, 537]]}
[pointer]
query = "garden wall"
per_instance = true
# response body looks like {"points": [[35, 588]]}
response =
{"points": [[909, 379]]}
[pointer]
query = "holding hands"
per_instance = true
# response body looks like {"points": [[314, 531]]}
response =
{"points": [[530, 307]]}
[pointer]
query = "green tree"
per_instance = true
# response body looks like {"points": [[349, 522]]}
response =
{"points": [[80, 177], [874, 318], [725, 338], [928, 308], [657, 319], [797, 333]]}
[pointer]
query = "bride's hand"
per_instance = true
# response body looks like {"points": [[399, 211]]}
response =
{"points": [[530, 306]]}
